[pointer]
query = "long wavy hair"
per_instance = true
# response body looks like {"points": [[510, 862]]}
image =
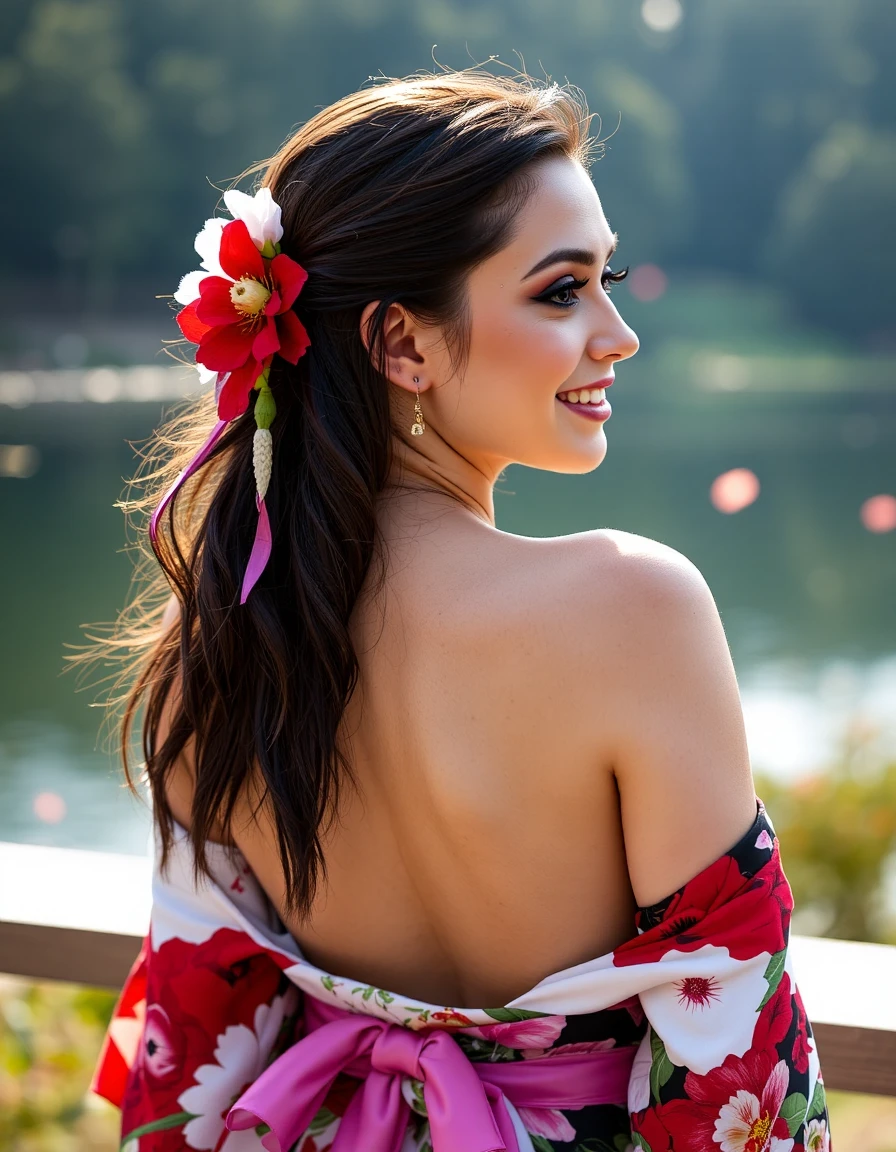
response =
{"points": [[394, 193]]}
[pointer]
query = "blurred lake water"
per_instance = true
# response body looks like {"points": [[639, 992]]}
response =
{"points": [[804, 573]]}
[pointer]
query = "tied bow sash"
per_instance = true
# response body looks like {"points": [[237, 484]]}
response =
{"points": [[466, 1101]]}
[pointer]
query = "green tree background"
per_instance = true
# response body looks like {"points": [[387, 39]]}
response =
{"points": [[755, 139]]}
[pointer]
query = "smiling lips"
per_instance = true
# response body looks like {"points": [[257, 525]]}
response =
{"points": [[591, 394]]}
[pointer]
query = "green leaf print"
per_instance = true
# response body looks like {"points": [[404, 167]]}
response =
{"points": [[541, 1143], [661, 1067], [158, 1126], [322, 1119], [773, 972], [512, 1015], [419, 1105], [490, 1050], [639, 1142], [819, 1101], [793, 1110], [330, 984], [595, 1144], [366, 992], [383, 996]]}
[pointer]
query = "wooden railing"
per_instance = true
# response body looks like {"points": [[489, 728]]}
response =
{"points": [[78, 916]]}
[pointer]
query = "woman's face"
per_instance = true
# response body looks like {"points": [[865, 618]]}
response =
{"points": [[535, 334]]}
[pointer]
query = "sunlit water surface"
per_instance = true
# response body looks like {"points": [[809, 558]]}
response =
{"points": [[804, 586]]}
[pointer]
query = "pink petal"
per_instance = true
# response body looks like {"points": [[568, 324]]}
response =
{"points": [[294, 339], [776, 1088], [538, 1032], [549, 1122], [239, 257], [289, 277]]}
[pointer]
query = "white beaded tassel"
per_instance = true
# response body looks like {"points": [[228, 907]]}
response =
{"points": [[262, 459]]}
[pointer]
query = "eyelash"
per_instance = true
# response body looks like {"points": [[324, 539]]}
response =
{"points": [[608, 278]]}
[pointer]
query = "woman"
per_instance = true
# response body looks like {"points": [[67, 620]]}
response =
{"points": [[459, 846]]}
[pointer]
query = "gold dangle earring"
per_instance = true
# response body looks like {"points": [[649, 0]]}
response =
{"points": [[418, 426]]}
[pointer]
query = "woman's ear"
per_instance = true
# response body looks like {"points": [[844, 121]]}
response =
{"points": [[401, 343]]}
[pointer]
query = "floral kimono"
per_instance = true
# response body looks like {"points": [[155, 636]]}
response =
{"points": [[690, 1036]]}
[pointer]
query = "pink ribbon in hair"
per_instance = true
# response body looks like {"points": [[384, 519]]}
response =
{"points": [[261, 549], [197, 461], [261, 546], [466, 1101]]}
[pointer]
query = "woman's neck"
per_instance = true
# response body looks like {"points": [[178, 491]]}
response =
{"points": [[437, 471]]}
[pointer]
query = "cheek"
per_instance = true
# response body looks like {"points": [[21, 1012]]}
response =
{"points": [[527, 346]]}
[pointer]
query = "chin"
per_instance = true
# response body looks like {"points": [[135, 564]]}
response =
{"points": [[585, 457], [572, 463]]}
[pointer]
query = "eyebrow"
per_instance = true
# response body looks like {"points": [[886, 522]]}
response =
{"points": [[573, 255]]}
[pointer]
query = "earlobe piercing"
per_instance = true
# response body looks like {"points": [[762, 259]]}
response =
{"points": [[418, 426]]}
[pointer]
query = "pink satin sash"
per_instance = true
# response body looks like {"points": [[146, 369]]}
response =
{"points": [[465, 1100]]}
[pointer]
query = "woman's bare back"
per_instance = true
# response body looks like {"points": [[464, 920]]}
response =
{"points": [[485, 847], [482, 849]]}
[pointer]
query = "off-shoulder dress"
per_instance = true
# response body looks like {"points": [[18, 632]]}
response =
{"points": [[690, 1036]]}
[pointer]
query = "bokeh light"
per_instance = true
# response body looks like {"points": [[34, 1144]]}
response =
{"points": [[661, 15], [878, 513], [734, 490], [49, 807], [647, 282], [18, 460]]}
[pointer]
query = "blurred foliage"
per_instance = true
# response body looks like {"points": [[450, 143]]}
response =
{"points": [[50, 1036], [753, 139], [837, 832]]}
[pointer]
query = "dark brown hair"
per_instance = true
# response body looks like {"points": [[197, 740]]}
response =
{"points": [[394, 194]]}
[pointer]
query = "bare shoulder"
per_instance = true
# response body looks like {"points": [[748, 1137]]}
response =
{"points": [[671, 714]]}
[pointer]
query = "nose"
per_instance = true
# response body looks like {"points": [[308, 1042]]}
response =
{"points": [[616, 341]]}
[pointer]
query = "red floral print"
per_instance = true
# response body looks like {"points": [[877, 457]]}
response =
{"points": [[738, 1103]]}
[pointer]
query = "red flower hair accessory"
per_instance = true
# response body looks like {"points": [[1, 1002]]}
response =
{"points": [[239, 313]]}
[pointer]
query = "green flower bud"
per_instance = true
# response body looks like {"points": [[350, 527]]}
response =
{"points": [[265, 407]]}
